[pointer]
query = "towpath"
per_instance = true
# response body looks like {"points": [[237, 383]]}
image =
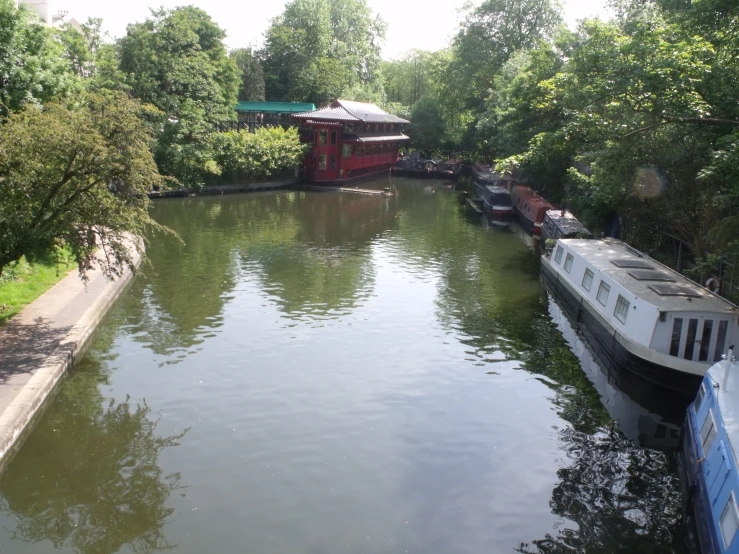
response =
{"points": [[39, 344]]}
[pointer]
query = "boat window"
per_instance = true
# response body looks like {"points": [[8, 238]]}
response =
{"points": [[558, 255], [346, 150], [587, 280], [723, 327], [690, 341], [705, 340], [699, 398], [729, 521], [622, 309], [333, 137], [568, 262], [677, 331], [323, 137], [322, 162], [708, 432], [603, 291], [333, 162]]}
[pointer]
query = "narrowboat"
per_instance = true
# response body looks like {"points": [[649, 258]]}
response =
{"points": [[562, 224], [530, 208], [707, 461], [496, 200], [645, 317]]}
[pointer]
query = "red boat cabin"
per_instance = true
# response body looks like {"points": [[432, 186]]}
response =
{"points": [[350, 140]]}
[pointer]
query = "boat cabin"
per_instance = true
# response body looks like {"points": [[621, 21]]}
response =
{"points": [[349, 140], [530, 207], [256, 115], [684, 325], [562, 224]]}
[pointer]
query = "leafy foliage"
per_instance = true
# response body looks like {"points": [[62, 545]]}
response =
{"points": [[252, 75], [32, 70], [317, 49], [177, 61], [260, 155], [78, 175]]}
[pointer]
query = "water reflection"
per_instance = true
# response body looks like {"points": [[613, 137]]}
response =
{"points": [[360, 373], [105, 488]]}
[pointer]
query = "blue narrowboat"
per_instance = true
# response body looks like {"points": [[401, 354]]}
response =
{"points": [[707, 460]]}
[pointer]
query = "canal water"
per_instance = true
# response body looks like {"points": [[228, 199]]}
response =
{"points": [[327, 373]]}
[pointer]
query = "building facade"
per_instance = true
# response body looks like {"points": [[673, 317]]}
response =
{"points": [[349, 141], [45, 10]]}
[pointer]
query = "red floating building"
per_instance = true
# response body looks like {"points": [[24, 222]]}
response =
{"points": [[350, 141]]}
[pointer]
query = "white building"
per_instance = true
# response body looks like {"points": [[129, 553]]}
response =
{"points": [[45, 10]]}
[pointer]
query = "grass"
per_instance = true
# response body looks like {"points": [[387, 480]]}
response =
{"points": [[23, 282]]}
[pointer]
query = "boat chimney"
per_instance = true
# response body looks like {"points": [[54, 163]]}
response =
{"points": [[730, 357]]}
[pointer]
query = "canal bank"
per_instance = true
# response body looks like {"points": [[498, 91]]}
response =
{"points": [[41, 343]]}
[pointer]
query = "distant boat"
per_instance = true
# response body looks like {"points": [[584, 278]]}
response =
{"points": [[496, 201], [647, 318], [562, 224], [530, 208], [707, 460]]}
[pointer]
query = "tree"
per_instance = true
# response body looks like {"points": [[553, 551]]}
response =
{"points": [[317, 49], [427, 129], [252, 76], [32, 70], [177, 61], [491, 33], [77, 174]]}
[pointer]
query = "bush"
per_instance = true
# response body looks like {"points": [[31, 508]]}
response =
{"points": [[264, 154]]}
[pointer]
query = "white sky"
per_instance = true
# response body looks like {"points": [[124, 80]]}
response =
{"points": [[422, 24]]}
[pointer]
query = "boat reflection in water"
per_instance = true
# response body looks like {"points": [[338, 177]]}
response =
{"points": [[645, 413]]}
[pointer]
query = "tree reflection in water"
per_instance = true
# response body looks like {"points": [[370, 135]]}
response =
{"points": [[88, 477]]}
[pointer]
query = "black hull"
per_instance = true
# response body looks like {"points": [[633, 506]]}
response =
{"points": [[601, 339]]}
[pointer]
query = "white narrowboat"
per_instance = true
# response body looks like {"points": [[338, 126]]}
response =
{"points": [[645, 317]]}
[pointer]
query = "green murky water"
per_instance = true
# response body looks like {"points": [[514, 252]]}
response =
{"points": [[331, 373]]}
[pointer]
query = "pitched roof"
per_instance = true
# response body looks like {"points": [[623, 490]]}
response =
{"points": [[346, 110], [275, 107]]}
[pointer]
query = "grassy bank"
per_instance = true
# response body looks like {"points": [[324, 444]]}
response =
{"points": [[21, 283]]}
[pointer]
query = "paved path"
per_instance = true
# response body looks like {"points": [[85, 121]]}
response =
{"points": [[41, 342]]}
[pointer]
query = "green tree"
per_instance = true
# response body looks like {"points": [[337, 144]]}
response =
{"points": [[78, 175], [252, 75], [317, 49], [32, 69], [427, 125], [176, 60], [490, 34]]}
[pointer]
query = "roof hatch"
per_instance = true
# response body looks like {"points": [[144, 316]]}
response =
{"points": [[651, 275], [674, 290], [632, 262]]}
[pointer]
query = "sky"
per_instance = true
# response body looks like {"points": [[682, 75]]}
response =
{"points": [[422, 24]]}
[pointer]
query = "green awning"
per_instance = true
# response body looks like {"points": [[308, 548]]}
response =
{"points": [[275, 107]]}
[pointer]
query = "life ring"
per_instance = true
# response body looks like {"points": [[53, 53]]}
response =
{"points": [[713, 285]]}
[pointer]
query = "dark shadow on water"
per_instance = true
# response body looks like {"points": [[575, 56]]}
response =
{"points": [[88, 478]]}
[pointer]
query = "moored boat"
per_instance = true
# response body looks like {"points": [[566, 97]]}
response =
{"points": [[647, 318], [530, 208], [707, 460], [496, 200], [562, 224]]}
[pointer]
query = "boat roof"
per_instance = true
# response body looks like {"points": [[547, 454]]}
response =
{"points": [[567, 222], [346, 110], [728, 399], [496, 189], [648, 279]]}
